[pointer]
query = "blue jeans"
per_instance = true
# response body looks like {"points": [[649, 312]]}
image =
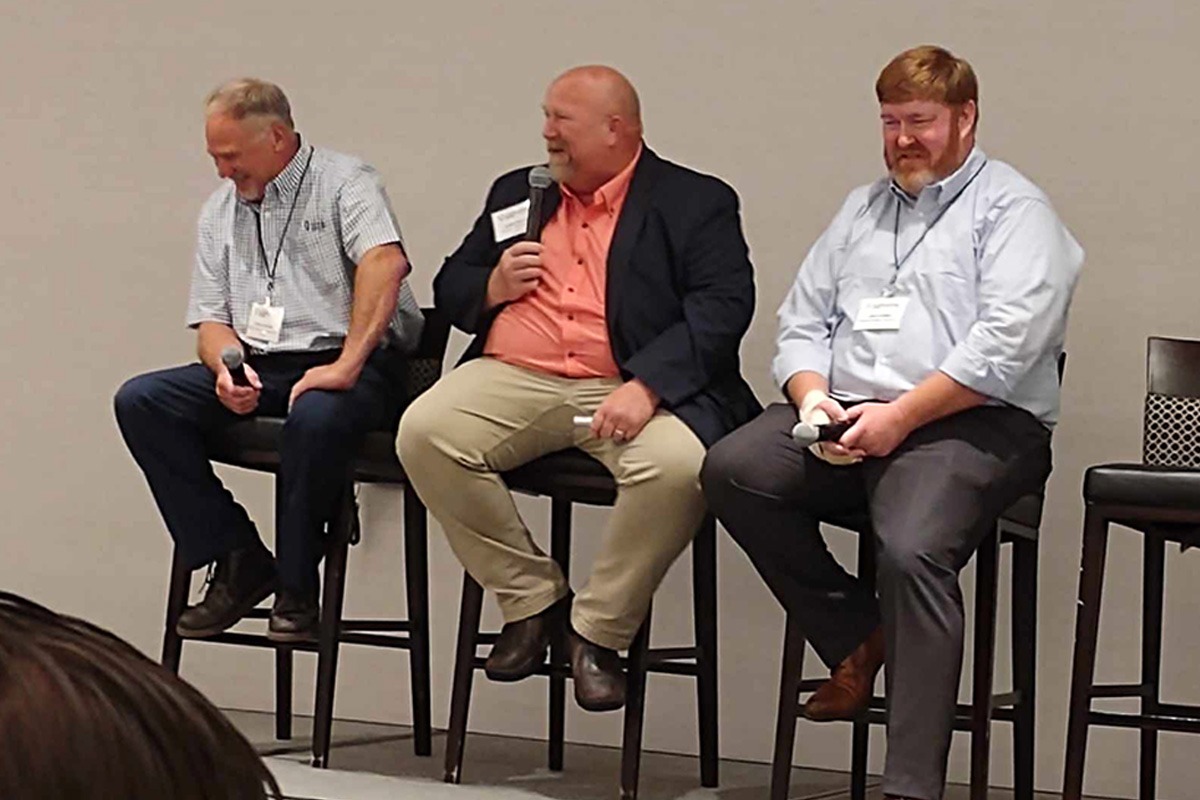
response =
{"points": [[168, 416]]}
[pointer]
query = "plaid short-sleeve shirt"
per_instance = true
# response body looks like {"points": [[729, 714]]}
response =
{"points": [[341, 212]]}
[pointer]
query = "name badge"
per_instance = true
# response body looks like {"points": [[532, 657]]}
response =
{"points": [[511, 221], [880, 313], [266, 321]]}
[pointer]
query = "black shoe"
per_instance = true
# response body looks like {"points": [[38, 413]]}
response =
{"points": [[599, 679], [521, 647], [241, 580], [295, 617]]}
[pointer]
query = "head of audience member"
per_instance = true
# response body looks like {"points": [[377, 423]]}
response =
{"points": [[250, 135], [592, 128], [86, 715], [929, 106]]}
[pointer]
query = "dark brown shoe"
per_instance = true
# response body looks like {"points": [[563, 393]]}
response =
{"points": [[520, 649], [295, 617], [240, 581], [599, 679], [848, 691]]}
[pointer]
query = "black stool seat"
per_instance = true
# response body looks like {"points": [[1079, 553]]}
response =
{"points": [[567, 472], [1142, 485], [254, 444]]}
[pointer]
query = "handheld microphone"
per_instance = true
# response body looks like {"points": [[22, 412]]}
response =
{"points": [[234, 360], [539, 182], [805, 433]]}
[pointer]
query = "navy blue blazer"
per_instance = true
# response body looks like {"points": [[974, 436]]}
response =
{"points": [[679, 294]]}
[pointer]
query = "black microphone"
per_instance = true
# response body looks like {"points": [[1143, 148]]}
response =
{"points": [[806, 433], [234, 360], [539, 182]]}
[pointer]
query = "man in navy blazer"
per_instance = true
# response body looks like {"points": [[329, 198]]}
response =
{"points": [[628, 308]]}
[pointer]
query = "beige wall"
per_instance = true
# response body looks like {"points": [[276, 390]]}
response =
{"points": [[104, 171]]}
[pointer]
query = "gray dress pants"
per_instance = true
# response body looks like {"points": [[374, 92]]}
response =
{"points": [[931, 502]]}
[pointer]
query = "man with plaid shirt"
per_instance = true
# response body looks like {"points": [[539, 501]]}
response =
{"points": [[300, 267]]}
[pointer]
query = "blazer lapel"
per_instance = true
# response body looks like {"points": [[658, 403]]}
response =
{"points": [[629, 225]]}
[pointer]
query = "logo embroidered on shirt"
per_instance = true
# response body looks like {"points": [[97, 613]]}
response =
{"points": [[314, 224]]}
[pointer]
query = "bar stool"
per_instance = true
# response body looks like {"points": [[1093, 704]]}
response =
{"points": [[568, 477], [1018, 527], [1160, 498], [254, 444]]}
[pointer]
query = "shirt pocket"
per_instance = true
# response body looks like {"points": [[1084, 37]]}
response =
{"points": [[946, 283]]}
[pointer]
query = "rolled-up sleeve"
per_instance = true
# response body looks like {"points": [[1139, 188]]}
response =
{"points": [[366, 215], [1027, 272]]}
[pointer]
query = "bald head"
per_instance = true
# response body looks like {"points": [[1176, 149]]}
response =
{"points": [[593, 126], [612, 92]]}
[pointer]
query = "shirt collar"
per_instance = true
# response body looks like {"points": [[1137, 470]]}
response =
{"points": [[948, 187], [611, 195], [287, 182]]}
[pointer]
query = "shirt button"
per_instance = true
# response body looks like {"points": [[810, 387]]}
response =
{"points": [[585, 224], [570, 354], [570, 288], [579, 262], [571, 317]]}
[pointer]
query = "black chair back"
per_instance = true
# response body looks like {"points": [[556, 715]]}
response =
{"points": [[424, 366], [1171, 427]]}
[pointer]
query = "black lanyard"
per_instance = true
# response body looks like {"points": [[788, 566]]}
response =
{"points": [[899, 262], [263, 250]]}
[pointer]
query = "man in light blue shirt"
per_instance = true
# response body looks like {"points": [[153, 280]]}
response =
{"points": [[930, 317]]}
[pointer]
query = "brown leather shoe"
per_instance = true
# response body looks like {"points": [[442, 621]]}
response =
{"points": [[520, 649], [599, 679], [847, 693], [240, 581]]}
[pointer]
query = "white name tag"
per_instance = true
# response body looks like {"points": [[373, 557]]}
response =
{"points": [[511, 221], [880, 313], [266, 321]]}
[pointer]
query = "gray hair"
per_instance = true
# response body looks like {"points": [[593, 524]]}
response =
{"points": [[250, 97]]}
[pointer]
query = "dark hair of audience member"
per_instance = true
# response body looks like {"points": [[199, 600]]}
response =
{"points": [[85, 715]]}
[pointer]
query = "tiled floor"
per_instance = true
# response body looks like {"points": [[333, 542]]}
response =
{"points": [[504, 768]]}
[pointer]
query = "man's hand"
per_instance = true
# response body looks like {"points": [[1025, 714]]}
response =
{"points": [[625, 412], [878, 428], [335, 377], [517, 273], [238, 399], [818, 408]]}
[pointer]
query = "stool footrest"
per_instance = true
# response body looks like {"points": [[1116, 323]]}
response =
{"points": [[1189, 723], [1120, 690]]}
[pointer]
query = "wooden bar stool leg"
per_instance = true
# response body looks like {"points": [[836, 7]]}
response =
{"points": [[1024, 655], [464, 671], [560, 551], [416, 578], [861, 742], [283, 692], [330, 628], [635, 710], [1087, 625], [789, 709], [1153, 588], [987, 571], [177, 595], [704, 610]]}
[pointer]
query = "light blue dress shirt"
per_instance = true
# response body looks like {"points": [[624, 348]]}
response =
{"points": [[989, 270]]}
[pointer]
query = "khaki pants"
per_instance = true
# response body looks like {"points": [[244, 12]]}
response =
{"points": [[486, 417]]}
